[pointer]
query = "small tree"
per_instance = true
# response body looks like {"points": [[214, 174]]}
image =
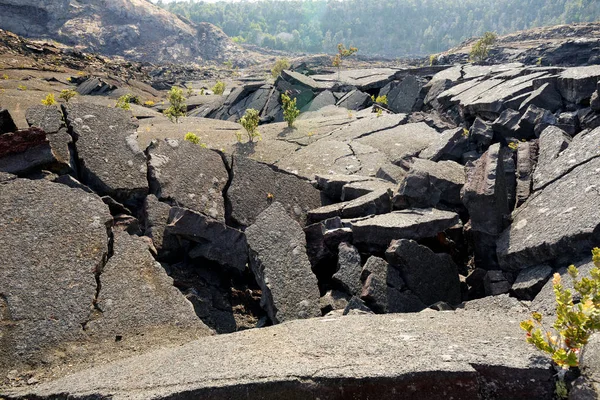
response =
{"points": [[343, 52], [49, 100], [177, 106], [290, 111], [279, 66], [67, 94], [250, 122], [219, 88], [481, 48]]}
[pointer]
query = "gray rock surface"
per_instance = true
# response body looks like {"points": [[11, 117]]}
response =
{"points": [[323, 99], [349, 269], [375, 233], [47, 118], [447, 177], [137, 297], [449, 145], [545, 97], [495, 283], [403, 95], [530, 281], [333, 184], [156, 219], [374, 203], [431, 277], [187, 175], [54, 240], [252, 183], [25, 151], [6, 122], [355, 190], [459, 355], [109, 155], [481, 134], [355, 100], [214, 240], [578, 84], [527, 155], [557, 223], [281, 267]]}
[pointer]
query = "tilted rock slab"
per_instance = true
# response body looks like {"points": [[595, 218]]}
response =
{"points": [[281, 267], [53, 240], [434, 356], [558, 223], [109, 155], [187, 175]]}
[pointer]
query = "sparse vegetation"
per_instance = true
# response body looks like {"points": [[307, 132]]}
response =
{"points": [[124, 102], [219, 88], [149, 103], [481, 48], [279, 66], [22, 87], [67, 94], [432, 59], [343, 53], [177, 106], [290, 111], [49, 100], [4, 76], [250, 122], [380, 99]]}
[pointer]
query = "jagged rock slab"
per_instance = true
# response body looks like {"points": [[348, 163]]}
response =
{"points": [[355, 100], [402, 96], [183, 173], [53, 240], [545, 97], [578, 84], [375, 233], [368, 125], [155, 220], [215, 240], [363, 79], [278, 259], [447, 177], [583, 148], [354, 190], [333, 184], [109, 155], [253, 182], [558, 223], [431, 277], [323, 99], [24, 151], [377, 202], [349, 269], [446, 354], [47, 118], [526, 164], [449, 145], [137, 297], [530, 281], [6, 122]]}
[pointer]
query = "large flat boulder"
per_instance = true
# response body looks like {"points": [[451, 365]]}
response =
{"points": [[111, 160], [446, 354], [281, 267], [375, 233], [556, 224], [25, 151], [183, 173], [53, 240], [578, 84], [254, 186], [376, 202]]}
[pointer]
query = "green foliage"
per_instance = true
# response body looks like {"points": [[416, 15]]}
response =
{"points": [[177, 106], [250, 122], [380, 99], [432, 59], [67, 94], [4, 76], [219, 88], [279, 66], [22, 87], [290, 111], [575, 322], [190, 91], [343, 52], [124, 102], [191, 137], [149, 103], [481, 48], [228, 64], [49, 100]]}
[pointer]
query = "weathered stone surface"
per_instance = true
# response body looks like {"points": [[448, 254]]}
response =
{"points": [[595, 100], [281, 267], [577, 84], [377, 202], [349, 269], [507, 124], [47, 118], [355, 100], [495, 305], [53, 240], [354, 190], [431, 277], [5, 177], [495, 283], [185, 174], [545, 97], [457, 355], [391, 173], [137, 296], [449, 145], [24, 151], [6, 122], [111, 161], [253, 182], [590, 370], [316, 246], [555, 224], [94, 87], [568, 122], [156, 219], [447, 177], [530, 281], [356, 306], [333, 184], [296, 78], [526, 163], [323, 99], [333, 300], [403, 95], [553, 165], [214, 240], [481, 134], [485, 197], [375, 233]]}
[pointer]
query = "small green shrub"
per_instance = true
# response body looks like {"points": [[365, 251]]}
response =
{"points": [[5, 77], [250, 122], [124, 102], [290, 111], [177, 106], [49, 100], [343, 52], [432, 59], [575, 322], [219, 88], [279, 66], [22, 87], [380, 99], [481, 48], [67, 94], [149, 103], [191, 137]]}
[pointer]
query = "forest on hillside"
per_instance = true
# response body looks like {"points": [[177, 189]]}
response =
{"points": [[390, 28]]}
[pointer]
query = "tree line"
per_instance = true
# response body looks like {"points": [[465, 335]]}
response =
{"points": [[389, 28]]}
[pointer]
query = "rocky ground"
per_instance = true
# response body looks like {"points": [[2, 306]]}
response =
{"points": [[369, 250]]}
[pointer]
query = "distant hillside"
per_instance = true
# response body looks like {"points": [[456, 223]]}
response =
{"points": [[390, 28], [136, 29]]}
